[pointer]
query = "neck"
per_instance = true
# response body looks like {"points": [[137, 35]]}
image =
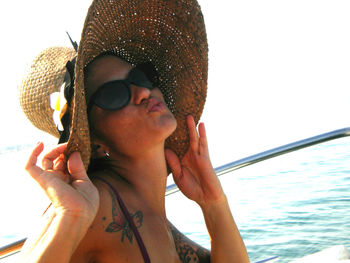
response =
{"points": [[146, 176]]}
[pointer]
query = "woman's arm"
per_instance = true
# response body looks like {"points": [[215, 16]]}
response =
{"points": [[196, 178], [56, 241], [75, 201], [226, 242]]}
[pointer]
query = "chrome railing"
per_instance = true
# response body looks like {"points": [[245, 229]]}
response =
{"points": [[291, 147], [15, 247], [11, 249]]}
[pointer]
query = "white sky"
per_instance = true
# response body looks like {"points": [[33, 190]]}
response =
{"points": [[279, 70]]}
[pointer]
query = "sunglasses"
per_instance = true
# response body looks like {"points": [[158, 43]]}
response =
{"points": [[116, 94]]}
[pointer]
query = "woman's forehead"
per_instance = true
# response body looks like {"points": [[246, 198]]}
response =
{"points": [[106, 68]]}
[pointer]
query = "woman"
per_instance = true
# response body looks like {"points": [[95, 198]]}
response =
{"points": [[119, 214]]}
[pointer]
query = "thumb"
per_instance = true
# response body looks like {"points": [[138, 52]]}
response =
{"points": [[76, 167], [173, 162]]}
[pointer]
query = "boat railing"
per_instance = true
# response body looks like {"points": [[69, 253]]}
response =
{"points": [[15, 247], [291, 147]]}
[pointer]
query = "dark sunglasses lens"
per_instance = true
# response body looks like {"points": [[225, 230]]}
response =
{"points": [[139, 78], [113, 95]]}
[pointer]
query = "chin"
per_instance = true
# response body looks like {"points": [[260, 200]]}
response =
{"points": [[168, 124]]}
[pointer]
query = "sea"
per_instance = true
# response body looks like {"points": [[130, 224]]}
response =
{"points": [[287, 207]]}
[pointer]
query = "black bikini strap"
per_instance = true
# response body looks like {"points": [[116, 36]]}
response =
{"points": [[131, 222]]}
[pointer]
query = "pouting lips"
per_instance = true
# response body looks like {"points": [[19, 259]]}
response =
{"points": [[155, 105]]}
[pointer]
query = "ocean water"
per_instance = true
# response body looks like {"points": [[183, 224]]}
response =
{"points": [[289, 206]]}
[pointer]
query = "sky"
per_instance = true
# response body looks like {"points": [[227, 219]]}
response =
{"points": [[279, 71]]}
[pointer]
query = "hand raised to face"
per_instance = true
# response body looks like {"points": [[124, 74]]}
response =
{"points": [[66, 185], [194, 174]]}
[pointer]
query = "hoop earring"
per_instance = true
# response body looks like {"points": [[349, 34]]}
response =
{"points": [[107, 154]]}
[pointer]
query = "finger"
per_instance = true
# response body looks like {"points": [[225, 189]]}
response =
{"points": [[192, 132], [36, 172], [76, 167], [203, 143], [31, 166], [60, 165], [80, 179], [174, 163], [48, 159]]}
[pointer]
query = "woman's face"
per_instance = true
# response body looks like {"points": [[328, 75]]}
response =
{"points": [[144, 122]]}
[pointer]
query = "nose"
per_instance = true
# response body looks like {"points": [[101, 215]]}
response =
{"points": [[139, 94]]}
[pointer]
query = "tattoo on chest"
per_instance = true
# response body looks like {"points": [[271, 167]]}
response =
{"points": [[187, 254], [120, 223]]}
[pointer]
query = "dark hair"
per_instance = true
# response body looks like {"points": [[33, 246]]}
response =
{"points": [[98, 164]]}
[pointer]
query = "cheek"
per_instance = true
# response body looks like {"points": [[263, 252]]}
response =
{"points": [[106, 124], [116, 128], [129, 129], [102, 124]]}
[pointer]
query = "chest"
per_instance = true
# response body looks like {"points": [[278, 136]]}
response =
{"points": [[113, 235], [120, 244]]}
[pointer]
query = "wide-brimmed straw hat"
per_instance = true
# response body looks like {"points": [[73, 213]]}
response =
{"points": [[170, 34]]}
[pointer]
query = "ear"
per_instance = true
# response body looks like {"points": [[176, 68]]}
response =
{"points": [[99, 151]]}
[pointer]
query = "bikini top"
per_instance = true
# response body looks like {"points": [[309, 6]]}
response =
{"points": [[130, 221]]}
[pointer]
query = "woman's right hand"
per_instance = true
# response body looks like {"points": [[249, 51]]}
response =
{"points": [[67, 186]]}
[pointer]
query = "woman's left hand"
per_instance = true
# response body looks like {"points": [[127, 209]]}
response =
{"points": [[194, 174]]}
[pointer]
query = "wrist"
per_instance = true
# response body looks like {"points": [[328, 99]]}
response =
{"points": [[77, 224], [214, 204], [54, 244], [67, 225]]}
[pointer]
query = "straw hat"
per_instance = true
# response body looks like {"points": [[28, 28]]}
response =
{"points": [[168, 33], [43, 78]]}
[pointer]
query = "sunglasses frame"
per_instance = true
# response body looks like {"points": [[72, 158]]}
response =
{"points": [[135, 76]]}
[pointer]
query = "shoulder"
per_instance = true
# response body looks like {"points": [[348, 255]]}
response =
{"points": [[90, 246], [188, 250], [109, 234]]}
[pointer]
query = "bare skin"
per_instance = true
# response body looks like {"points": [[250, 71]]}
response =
{"points": [[139, 174]]}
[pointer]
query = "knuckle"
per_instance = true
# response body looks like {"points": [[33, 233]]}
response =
{"points": [[28, 166]]}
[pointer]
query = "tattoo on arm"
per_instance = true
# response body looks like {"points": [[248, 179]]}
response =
{"points": [[188, 251], [120, 223]]}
